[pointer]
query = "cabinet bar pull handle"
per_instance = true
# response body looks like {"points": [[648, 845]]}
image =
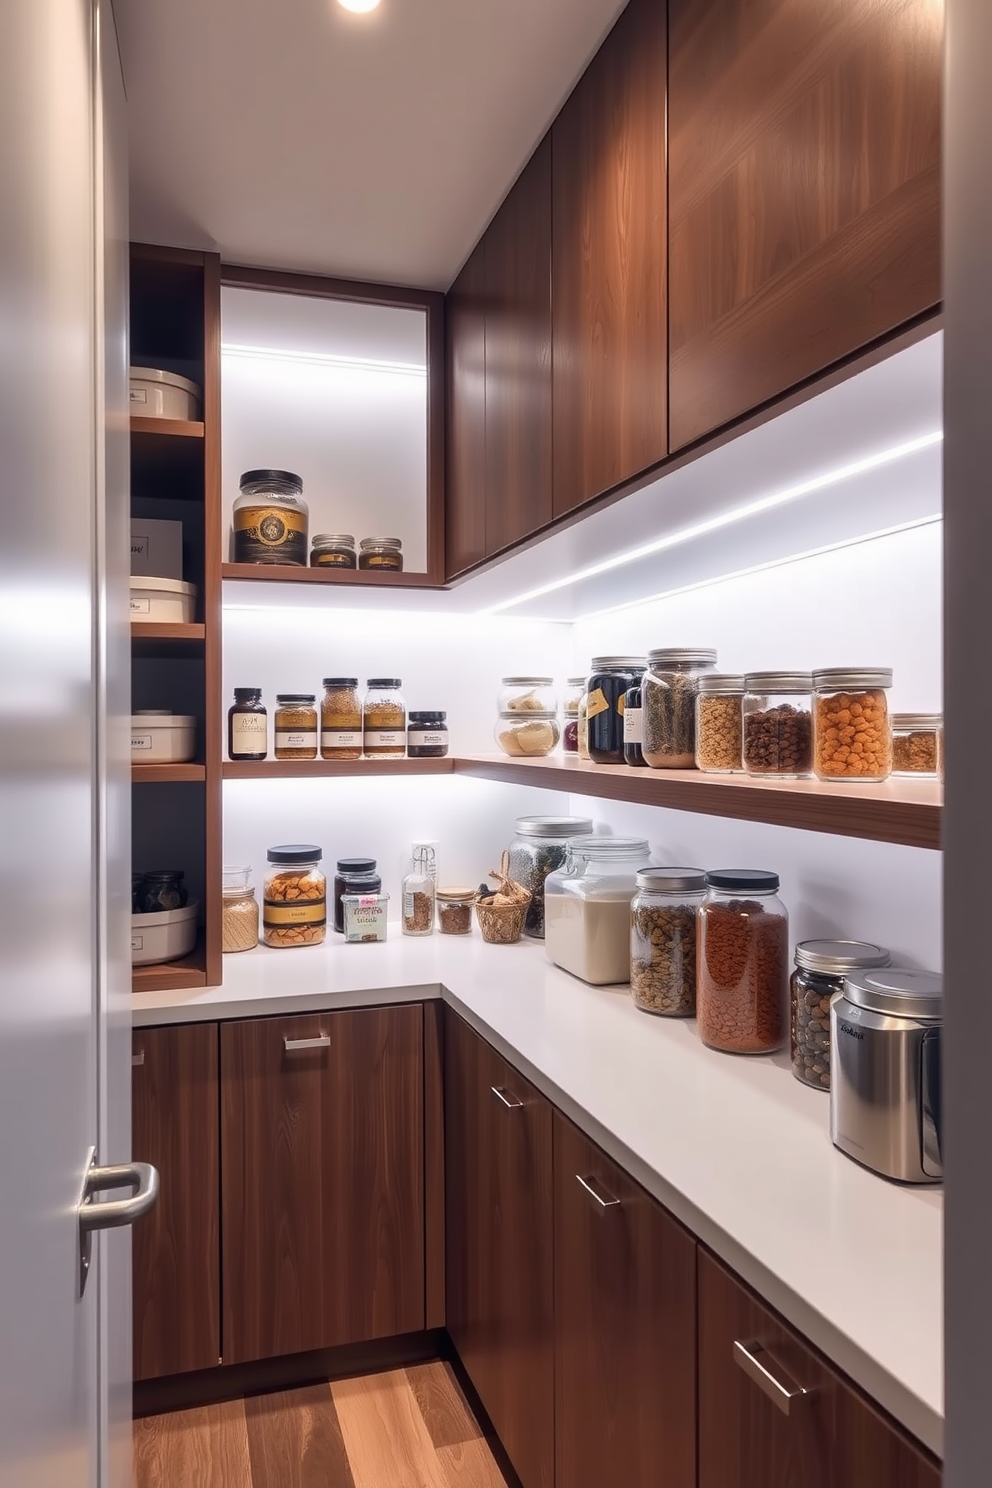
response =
{"points": [[604, 1199], [503, 1096], [755, 1361], [138, 1058], [322, 1041]]}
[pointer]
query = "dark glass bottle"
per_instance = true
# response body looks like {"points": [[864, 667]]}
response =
{"points": [[608, 684], [353, 876], [632, 734], [247, 725]]}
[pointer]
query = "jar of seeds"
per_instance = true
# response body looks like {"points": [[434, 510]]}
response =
{"points": [[296, 725], [537, 849], [718, 722], [821, 966], [663, 916], [668, 698]]}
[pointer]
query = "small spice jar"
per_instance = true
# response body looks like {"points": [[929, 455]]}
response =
{"points": [[381, 554], [426, 734], [778, 725], [669, 692], [527, 695], [239, 912], [523, 735], [294, 909], [353, 876], [609, 680], [852, 735], [296, 725], [633, 726], [742, 963], [333, 550], [663, 921], [270, 518], [570, 709], [918, 744], [384, 719], [821, 966], [454, 910], [538, 848], [719, 724], [341, 719], [247, 725]]}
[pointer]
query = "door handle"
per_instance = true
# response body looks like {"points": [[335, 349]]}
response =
{"points": [[322, 1041], [141, 1178], [756, 1362], [604, 1199], [137, 1058], [505, 1098]]}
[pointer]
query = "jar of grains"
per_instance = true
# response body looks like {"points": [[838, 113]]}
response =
{"points": [[454, 910], [718, 722], [778, 724], [353, 876], [821, 966], [341, 719], [381, 554], [852, 735], [609, 680], [743, 950], [587, 907], [270, 518], [917, 744], [669, 700], [537, 849], [239, 912], [384, 719], [333, 550], [296, 725], [663, 918], [294, 912], [570, 732]]}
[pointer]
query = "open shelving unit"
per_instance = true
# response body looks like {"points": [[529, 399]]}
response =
{"points": [[286, 573], [333, 769]]}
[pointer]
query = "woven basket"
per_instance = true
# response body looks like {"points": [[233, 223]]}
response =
{"points": [[502, 924]]}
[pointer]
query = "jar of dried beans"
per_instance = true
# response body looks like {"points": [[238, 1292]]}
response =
{"points": [[663, 919], [341, 719], [294, 912], [778, 724], [719, 722], [743, 950], [384, 719], [918, 744], [296, 725], [821, 966], [669, 702], [852, 734]]}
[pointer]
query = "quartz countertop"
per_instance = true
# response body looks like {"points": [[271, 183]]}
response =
{"points": [[735, 1147]]}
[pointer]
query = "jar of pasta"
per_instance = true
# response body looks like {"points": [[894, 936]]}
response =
{"points": [[341, 719], [295, 909]]}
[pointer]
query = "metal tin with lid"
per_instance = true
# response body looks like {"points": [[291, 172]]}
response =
{"points": [[664, 919], [897, 993], [539, 846], [821, 966]]}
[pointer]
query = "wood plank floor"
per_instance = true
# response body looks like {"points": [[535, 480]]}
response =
{"points": [[408, 1428]]}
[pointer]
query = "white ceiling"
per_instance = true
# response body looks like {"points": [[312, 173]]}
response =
{"points": [[292, 134]]}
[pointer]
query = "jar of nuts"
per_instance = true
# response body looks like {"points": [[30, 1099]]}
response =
{"points": [[852, 734], [918, 744], [743, 950], [663, 916], [294, 912], [719, 722], [778, 724], [821, 966]]}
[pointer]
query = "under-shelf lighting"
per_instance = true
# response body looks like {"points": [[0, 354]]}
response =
{"points": [[360, 7], [727, 519], [324, 359]]}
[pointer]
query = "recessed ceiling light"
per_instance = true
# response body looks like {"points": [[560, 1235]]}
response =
{"points": [[361, 7]]}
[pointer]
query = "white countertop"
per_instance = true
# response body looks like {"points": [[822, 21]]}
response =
{"points": [[735, 1147]]}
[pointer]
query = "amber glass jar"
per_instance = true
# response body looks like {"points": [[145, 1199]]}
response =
{"points": [[341, 719], [247, 725], [381, 554], [296, 725]]}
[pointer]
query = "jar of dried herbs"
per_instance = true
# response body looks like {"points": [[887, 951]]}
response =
{"points": [[341, 719], [296, 725], [668, 694], [384, 719], [537, 849]]}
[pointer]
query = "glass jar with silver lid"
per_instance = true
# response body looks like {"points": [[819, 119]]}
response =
{"points": [[538, 848], [852, 733], [668, 698], [918, 744], [664, 916], [719, 703], [821, 966], [527, 695], [778, 724]]}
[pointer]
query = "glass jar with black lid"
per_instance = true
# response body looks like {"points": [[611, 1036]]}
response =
{"points": [[270, 519], [247, 725], [426, 734], [353, 876], [609, 680]]}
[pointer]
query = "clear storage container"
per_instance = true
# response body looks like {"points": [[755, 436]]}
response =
{"points": [[294, 912], [341, 719], [719, 723], [570, 731], [239, 912], [821, 966], [778, 724], [270, 518], [668, 694], [743, 950], [522, 735], [454, 910], [918, 744], [537, 849], [384, 719], [609, 680], [296, 725], [527, 695], [852, 734], [587, 907], [663, 923]]}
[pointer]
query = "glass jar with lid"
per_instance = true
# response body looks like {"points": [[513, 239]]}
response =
{"points": [[419, 892], [587, 907], [159, 890], [341, 719], [719, 723], [384, 719], [353, 876], [294, 910], [607, 686], [381, 554], [538, 848], [669, 702], [527, 735], [573, 697], [333, 550], [454, 909], [742, 971], [427, 734], [663, 921], [296, 725], [918, 744], [239, 912], [852, 734], [821, 966], [247, 725], [527, 695], [778, 725], [270, 518]]}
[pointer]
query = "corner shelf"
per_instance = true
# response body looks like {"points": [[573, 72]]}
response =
{"points": [[290, 573], [152, 774], [340, 769], [172, 976], [905, 812]]}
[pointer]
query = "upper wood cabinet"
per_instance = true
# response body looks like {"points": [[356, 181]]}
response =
{"points": [[804, 191], [610, 264], [465, 424]]}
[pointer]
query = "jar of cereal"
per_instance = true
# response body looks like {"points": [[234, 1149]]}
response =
{"points": [[294, 912]]}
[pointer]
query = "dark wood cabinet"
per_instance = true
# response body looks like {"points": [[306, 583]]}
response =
{"points": [[499, 1246], [610, 264], [773, 1415], [518, 358], [625, 1328], [804, 191], [465, 422], [322, 1142], [176, 1248]]}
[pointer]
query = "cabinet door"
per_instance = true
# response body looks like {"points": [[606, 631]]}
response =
{"points": [[465, 464], [625, 1328], [756, 1427], [322, 1142], [610, 264], [499, 1246], [804, 191], [176, 1248], [518, 358]]}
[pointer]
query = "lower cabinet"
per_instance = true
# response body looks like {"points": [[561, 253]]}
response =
{"points": [[499, 1246], [625, 1328], [176, 1248], [322, 1143]]}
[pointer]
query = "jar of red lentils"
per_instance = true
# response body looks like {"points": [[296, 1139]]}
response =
{"points": [[742, 970], [852, 731]]}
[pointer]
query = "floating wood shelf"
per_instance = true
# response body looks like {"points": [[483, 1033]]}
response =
{"points": [[157, 774], [290, 573], [343, 769], [153, 638], [906, 812], [172, 976], [164, 428]]}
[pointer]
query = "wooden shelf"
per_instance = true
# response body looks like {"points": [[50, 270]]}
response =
{"points": [[153, 638], [906, 812], [172, 976], [288, 573], [343, 769], [157, 774], [164, 428]]}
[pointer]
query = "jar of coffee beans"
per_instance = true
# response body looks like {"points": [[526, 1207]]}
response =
{"points": [[663, 916], [778, 724], [743, 950], [821, 966]]}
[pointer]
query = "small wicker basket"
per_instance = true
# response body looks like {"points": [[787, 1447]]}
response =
{"points": [[503, 923]]}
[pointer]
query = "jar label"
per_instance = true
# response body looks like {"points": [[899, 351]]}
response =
{"points": [[384, 738], [248, 733], [596, 702], [341, 739], [428, 738], [270, 534], [140, 606], [307, 912], [296, 739], [140, 741], [633, 726]]}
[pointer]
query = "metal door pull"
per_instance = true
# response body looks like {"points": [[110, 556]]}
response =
{"points": [[322, 1041], [138, 1058], [503, 1096], [603, 1198], [756, 1362], [141, 1178]]}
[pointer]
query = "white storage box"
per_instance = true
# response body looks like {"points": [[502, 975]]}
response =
{"points": [[156, 548], [160, 737], [166, 936], [156, 393], [168, 601]]}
